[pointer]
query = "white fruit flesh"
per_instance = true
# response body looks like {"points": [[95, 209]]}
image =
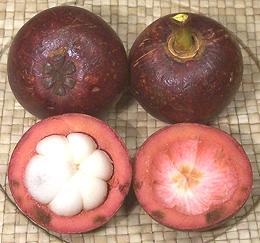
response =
{"points": [[193, 177], [45, 176], [100, 168], [81, 146], [69, 174]]}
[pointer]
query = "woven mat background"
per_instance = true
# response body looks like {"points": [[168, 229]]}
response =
{"points": [[241, 118]]}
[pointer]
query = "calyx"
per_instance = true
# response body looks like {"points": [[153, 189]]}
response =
{"points": [[57, 75]]}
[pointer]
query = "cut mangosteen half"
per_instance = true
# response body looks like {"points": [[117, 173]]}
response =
{"points": [[191, 176], [69, 173]]}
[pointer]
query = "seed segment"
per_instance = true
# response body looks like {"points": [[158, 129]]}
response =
{"points": [[68, 173], [100, 168], [55, 147], [81, 146], [68, 201], [44, 176]]}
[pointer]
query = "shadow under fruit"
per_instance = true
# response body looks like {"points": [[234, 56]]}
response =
{"points": [[67, 59]]}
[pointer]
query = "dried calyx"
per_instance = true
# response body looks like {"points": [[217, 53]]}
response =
{"points": [[57, 75], [183, 44], [69, 174]]}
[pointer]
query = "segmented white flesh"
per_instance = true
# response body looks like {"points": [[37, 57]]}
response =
{"points": [[81, 146], [54, 146], [102, 168], [69, 174], [95, 187], [193, 177], [44, 177], [68, 201]]}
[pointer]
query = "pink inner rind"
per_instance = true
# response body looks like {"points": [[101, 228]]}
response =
{"points": [[65, 124], [171, 217], [194, 177]]}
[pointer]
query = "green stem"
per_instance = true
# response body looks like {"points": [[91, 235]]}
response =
{"points": [[183, 41]]}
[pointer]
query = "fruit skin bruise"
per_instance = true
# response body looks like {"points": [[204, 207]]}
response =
{"points": [[170, 153]]}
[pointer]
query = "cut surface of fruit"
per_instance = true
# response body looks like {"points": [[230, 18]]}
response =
{"points": [[191, 177], [56, 176], [67, 173]]}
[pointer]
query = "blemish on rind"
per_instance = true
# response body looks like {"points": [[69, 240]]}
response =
{"points": [[239, 202], [244, 189], [100, 219], [95, 89], [138, 185], [123, 188], [18, 199], [41, 216], [213, 216], [157, 214], [143, 56], [58, 53], [14, 183]]}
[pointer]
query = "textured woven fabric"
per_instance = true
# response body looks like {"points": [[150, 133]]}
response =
{"points": [[128, 18]]}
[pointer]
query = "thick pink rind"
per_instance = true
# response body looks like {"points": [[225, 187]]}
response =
{"points": [[143, 183], [106, 139]]}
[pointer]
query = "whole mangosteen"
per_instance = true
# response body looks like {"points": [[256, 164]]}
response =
{"points": [[67, 59], [185, 67]]}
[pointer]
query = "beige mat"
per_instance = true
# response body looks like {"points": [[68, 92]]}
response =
{"points": [[241, 118]]}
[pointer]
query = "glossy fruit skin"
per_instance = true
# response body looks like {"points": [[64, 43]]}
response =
{"points": [[67, 59], [160, 142], [194, 90], [106, 139]]}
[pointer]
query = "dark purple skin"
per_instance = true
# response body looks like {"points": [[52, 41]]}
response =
{"points": [[67, 59], [194, 90]]}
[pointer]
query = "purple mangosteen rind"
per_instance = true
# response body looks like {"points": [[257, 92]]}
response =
{"points": [[67, 59], [185, 83]]}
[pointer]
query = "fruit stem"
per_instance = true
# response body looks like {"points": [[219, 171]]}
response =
{"points": [[183, 44], [183, 41]]}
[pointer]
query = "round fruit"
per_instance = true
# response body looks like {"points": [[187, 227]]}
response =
{"points": [[69, 173], [191, 177], [185, 67], [67, 59]]}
